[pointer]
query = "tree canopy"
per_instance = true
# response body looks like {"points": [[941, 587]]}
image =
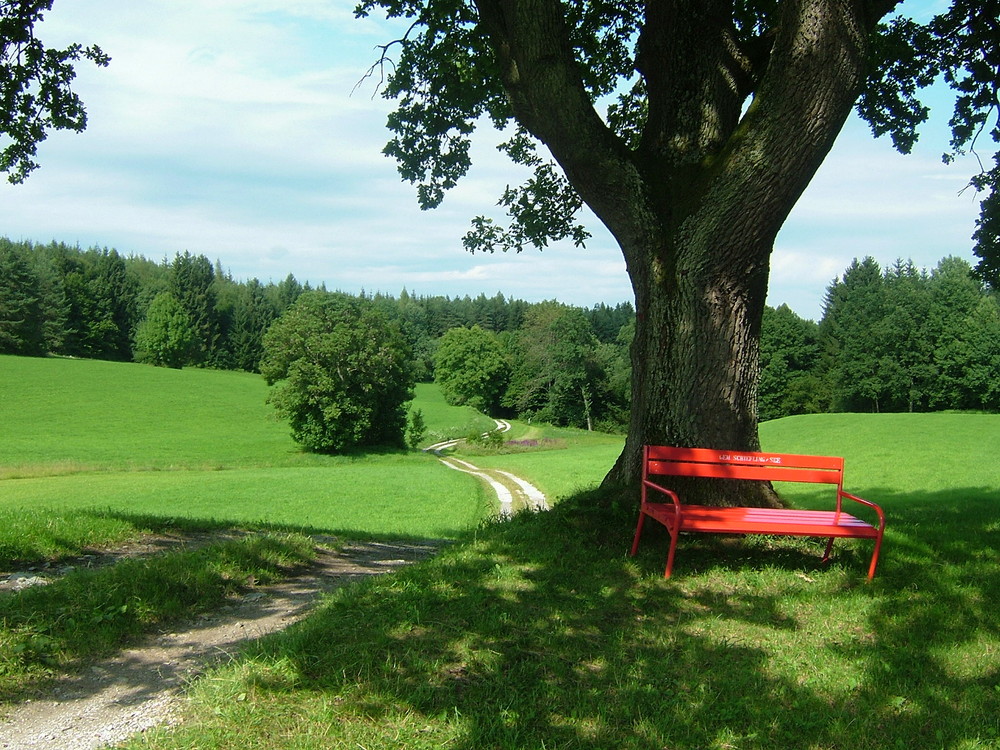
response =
{"points": [[690, 128], [342, 373], [461, 62], [36, 92], [471, 367]]}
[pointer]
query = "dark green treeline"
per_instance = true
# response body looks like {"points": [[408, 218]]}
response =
{"points": [[890, 340], [894, 339]]}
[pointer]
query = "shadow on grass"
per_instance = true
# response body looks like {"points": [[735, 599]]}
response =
{"points": [[88, 613], [59, 536], [541, 633]]}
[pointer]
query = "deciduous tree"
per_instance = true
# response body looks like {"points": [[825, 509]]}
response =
{"points": [[341, 373], [471, 367], [690, 128], [35, 86], [556, 376], [166, 336]]}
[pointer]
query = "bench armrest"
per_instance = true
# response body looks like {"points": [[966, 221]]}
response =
{"points": [[653, 486], [878, 510]]}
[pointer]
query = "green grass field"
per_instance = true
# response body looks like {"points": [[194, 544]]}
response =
{"points": [[535, 632], [111, 439]]}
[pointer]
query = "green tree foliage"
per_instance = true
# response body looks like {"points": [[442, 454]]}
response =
{"points": [[962, 323], [471, 367], [35, 86], [112, 316], [607, 321], [252, 316], [416, 428], [904, 342], [690, 128], [556, 375], [341, 373], [22, 322], [97, 296], [192, 282], [52, 300], [900, 340], [853, 305], [615, 363], [166, 336], [789, 355], [284, 294]]}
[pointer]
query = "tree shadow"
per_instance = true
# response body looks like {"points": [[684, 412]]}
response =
{"points": [[541, 633]]}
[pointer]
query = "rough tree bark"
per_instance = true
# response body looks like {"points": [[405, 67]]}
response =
{"points": [[697, 205]]}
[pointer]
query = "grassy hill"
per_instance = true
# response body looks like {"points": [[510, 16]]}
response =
{"points": [[106, 438], [540, 631], [102, 439]]}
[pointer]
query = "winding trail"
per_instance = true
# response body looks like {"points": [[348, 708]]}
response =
{"points": [[112, 699], [513, 493]]}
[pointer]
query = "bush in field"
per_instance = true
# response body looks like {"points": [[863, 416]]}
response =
{"points": [[471, 368], [341, 371], [165, 337], [416, 429]]}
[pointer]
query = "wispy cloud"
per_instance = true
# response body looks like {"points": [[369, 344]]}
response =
{"points": [[233, 128]]}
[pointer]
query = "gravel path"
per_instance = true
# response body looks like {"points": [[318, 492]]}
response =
{"points": [[513, 493], [140, 687]]}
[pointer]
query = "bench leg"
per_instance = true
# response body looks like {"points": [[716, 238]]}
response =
{"points": [[829, 548], [673, 543], [874, 563], [674, 533], [638, 533]]}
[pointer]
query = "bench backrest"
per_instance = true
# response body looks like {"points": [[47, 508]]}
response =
{"points": [[774, 467]]}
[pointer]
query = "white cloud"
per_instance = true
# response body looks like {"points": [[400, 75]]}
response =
{"points": [[232, 128]]}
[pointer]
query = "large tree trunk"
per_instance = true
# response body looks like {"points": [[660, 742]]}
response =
{"points": [[695, 366], [696, 205]]}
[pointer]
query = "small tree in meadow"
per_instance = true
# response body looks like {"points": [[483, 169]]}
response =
{"points": [[165, 337], [342, 373], [471, 368], [416, 429]]}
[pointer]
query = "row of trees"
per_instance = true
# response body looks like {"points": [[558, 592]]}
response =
{"points": [[893, 339], [100, 304], [560, 364], [554, 368]]}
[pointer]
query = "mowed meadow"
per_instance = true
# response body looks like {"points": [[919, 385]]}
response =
{"points": [[534, 632], [86, 435]]}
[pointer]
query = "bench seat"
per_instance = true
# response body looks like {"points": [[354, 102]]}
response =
{"points": [[704, 518]]}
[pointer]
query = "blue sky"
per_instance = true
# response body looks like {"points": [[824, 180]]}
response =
{"points": [[229, 128]]}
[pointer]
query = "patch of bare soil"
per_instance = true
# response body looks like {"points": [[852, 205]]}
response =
{"points": [[139, 688]]}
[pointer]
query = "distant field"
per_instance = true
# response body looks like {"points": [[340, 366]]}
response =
{"points": [[85, 435], [897, 454], [65, 414]]}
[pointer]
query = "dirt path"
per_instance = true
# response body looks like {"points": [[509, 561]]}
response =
{"points": [[140, 687], [513, 493]]}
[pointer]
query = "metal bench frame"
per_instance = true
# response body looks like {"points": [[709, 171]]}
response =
{"points": [[774, 467]]}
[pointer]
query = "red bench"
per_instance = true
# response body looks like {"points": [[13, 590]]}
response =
{"points": [[775, 467]]}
